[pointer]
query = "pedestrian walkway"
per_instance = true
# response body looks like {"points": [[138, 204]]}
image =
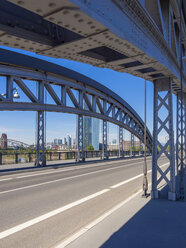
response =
{"points": [[139, 223], [31, 166]]}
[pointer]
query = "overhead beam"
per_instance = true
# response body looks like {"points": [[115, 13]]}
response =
{"points": [[18, 21]]}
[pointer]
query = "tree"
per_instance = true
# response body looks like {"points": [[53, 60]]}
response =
{"points": [[90, 148]]}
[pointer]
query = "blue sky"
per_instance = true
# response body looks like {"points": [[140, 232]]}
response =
{"points": [[21, 125]]}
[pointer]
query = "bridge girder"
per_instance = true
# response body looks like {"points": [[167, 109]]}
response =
{"points": [[127, 36]]}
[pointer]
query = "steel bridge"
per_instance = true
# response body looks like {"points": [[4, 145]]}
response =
{"points": [[13, 143], [88, 98], [141, 37]]}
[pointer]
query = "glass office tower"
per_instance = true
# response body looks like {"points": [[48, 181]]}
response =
{"points": [[90, 132]]}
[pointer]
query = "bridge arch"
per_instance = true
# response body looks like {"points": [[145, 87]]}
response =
{"points": [[100, 102]]}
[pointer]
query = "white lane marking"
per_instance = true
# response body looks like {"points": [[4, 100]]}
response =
{"points": [[66, 170], [43, 217], [6, 179], [83, 230], [131, 179], [36, 220], [63, 179], [77, 168]]}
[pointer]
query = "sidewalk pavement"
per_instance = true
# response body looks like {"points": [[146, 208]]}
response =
{"points": [[139, 223], [55, 163]]}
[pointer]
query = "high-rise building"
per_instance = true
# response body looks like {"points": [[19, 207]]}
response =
{"points": [[90, 132], [69, 140], [74, 143], [59, 141], [55, 141], [64, 141], [95, 133], [4, 141]]}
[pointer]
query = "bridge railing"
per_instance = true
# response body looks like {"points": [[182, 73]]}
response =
{"points": [[15, 158]]}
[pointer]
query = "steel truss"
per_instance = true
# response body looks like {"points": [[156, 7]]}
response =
{"points": [[104, 140], [40, 151], [121, 153], [132, 145], [180, 133], [165, 124], [185, 129], [100, 102], [80, 153]]}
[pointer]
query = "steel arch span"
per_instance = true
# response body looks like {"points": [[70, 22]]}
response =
{"points": [[13, 143], [87, 97]]}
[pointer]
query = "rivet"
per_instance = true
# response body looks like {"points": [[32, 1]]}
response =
{"points": [[20, 2], [77, 15], [38, 10], [51, 5], [51, 18], [65, 12]]}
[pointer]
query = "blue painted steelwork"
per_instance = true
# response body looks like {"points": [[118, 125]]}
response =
{"points": [[13, 58]]}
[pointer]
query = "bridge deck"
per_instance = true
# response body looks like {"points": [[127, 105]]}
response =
{"points": [[71, 197]]}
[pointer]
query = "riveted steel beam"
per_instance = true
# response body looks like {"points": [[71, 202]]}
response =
{"points": [[121, 153], [80, 152], [40, 149], [159, 174], [104, 141], [16, 21]]}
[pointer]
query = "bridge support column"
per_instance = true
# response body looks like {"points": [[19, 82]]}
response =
{"points": [[40, 150], [120, 142], [132, 145], [179, 133], [181, 136], [163, 123], [185, 130], [80, 155], [104, 140]]}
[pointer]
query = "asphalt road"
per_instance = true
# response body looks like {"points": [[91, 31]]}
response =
{"points": [[40, 209]]}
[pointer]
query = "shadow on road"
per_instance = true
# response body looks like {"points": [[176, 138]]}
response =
{"points": [[159, 224]]}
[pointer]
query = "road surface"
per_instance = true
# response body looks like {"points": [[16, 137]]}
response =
{"points": [[43, 208]]}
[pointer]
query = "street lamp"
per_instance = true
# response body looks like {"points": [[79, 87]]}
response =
{"points": [[15, 94]]}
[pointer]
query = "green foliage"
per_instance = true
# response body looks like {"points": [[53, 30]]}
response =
{"points": [[90, 148], [137, 148]]}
